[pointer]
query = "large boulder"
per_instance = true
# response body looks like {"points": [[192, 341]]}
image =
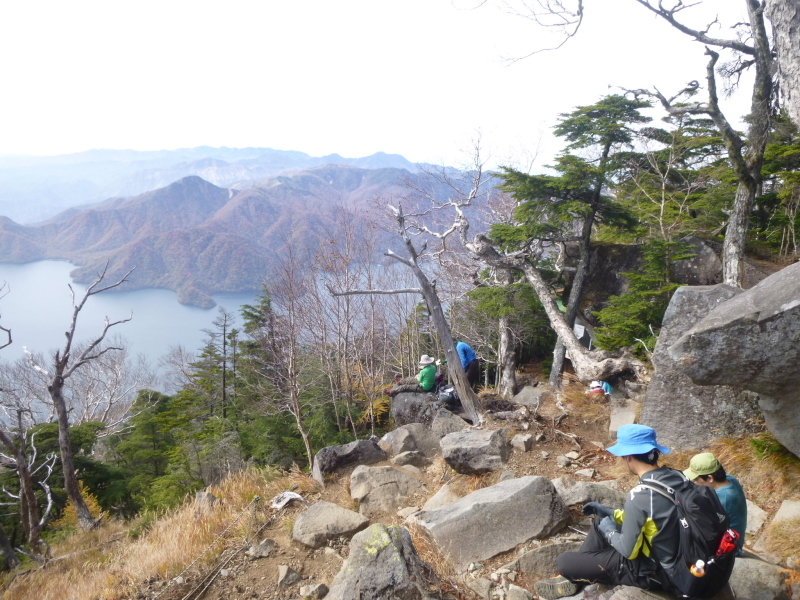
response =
{"points": [[333, 458], [476, 452], [384, 565], [411, 407], [408, 438], [381, 489], [325, 521], [445, 422], [686, 415], [755, 579], [495, 519], [751, 341]]}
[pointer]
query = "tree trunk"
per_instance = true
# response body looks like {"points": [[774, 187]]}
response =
{"points": [[736, 234], [505, 359], [8, 551], [785, 18], [28, 506], [85, 520]]}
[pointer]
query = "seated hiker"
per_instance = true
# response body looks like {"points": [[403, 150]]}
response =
{"points": [[599, 387], [622, 546], [705, 469], [469, 362], [425, 380]]}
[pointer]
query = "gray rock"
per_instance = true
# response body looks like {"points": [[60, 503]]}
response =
{"points": [[316, 591], [517, 593], [707, 412], [753, 335], [408, 407], [532, 397], [325, 521], [333, 458], [406, 512], [588, 473], [563, 461], [758, 580], [441, 498], [514, 511], [756, 517], [445, 422], [506, 475], [287, 576], [412, 457], [623, 412], [381, 489], [581, 492], [261, 550], [572, 455], [522, 442], [625, 592], [414, 437], [541, 562], [475, 452], [789, 509], [482, 587], [382, 564]]}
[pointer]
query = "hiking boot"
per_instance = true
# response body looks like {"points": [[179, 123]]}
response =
{"points": [[397, 378], [556, 587]]}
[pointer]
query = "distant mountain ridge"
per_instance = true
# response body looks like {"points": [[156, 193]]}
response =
{"points": [[195, 237], [33, 189]]}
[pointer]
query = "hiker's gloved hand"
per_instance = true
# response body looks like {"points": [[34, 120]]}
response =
{"points": [[595, 508], [607, 526]]}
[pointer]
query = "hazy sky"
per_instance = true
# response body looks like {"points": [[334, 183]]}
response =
{"points": [[412, 77]]}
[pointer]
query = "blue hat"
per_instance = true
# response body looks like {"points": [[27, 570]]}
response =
{"points": [[636, 439]]}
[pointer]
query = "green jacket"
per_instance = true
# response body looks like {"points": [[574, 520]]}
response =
{"points": [[427, 377]]}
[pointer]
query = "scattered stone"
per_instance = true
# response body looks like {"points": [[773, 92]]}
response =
{"points": [[474, 566], [545, 454], [541, 562], [224, 573], [563, 461], [316, 591], [756, 517], [517, 593], [588, 473], [327, 551], [758, 580], [381, 489], [443, 497], [382, 564], [532, 397], [482, 587], [406, 512], [539, 437], [411, 457], [261, 550], [516, 511], [445, 422], [287, 576], [598, 445], [325, 521], [333, 458], [506, 475], [414, 437], [522, 442], [572, 455], [179, 580], [412, 469], [581, 492], [475, 452]]}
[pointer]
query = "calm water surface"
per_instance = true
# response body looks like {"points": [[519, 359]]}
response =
{"points": [[38, 309]]}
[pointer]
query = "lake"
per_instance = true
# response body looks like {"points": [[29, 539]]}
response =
{"points": [[38, 310]]}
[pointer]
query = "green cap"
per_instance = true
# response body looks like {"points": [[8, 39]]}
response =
{"points": [[702, 464]]}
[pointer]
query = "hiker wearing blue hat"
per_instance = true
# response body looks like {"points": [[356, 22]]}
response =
{"points": [[622, 546]]}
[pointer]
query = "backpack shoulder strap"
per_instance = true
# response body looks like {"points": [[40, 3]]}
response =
{"points": [[660, 491]]}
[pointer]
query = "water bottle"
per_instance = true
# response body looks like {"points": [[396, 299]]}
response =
{"points": [[698, 569]]}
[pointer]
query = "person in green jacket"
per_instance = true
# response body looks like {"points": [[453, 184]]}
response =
{"points": [[425, 380]]}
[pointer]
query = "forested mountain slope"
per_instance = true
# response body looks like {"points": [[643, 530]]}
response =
{"points": [[196, 238]]}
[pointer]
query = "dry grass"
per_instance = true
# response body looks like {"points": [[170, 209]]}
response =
{"points": [[589, 407], [106, 564], [782, 538], [447, 580]]}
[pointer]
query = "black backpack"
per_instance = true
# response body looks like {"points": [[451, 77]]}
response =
{"points": [[703, 524]]}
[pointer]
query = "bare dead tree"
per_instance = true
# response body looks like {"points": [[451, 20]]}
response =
{"points": [[785, 18], [64, 366], [4, 289]]}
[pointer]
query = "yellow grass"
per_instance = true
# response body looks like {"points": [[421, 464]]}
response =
{"points": [[782, 538], [107, 564]]}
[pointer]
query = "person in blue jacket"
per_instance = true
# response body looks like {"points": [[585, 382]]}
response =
{"points": [[469, 362]]}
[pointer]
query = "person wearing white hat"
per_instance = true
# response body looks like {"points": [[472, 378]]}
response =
{"points": [[425, 380]]}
